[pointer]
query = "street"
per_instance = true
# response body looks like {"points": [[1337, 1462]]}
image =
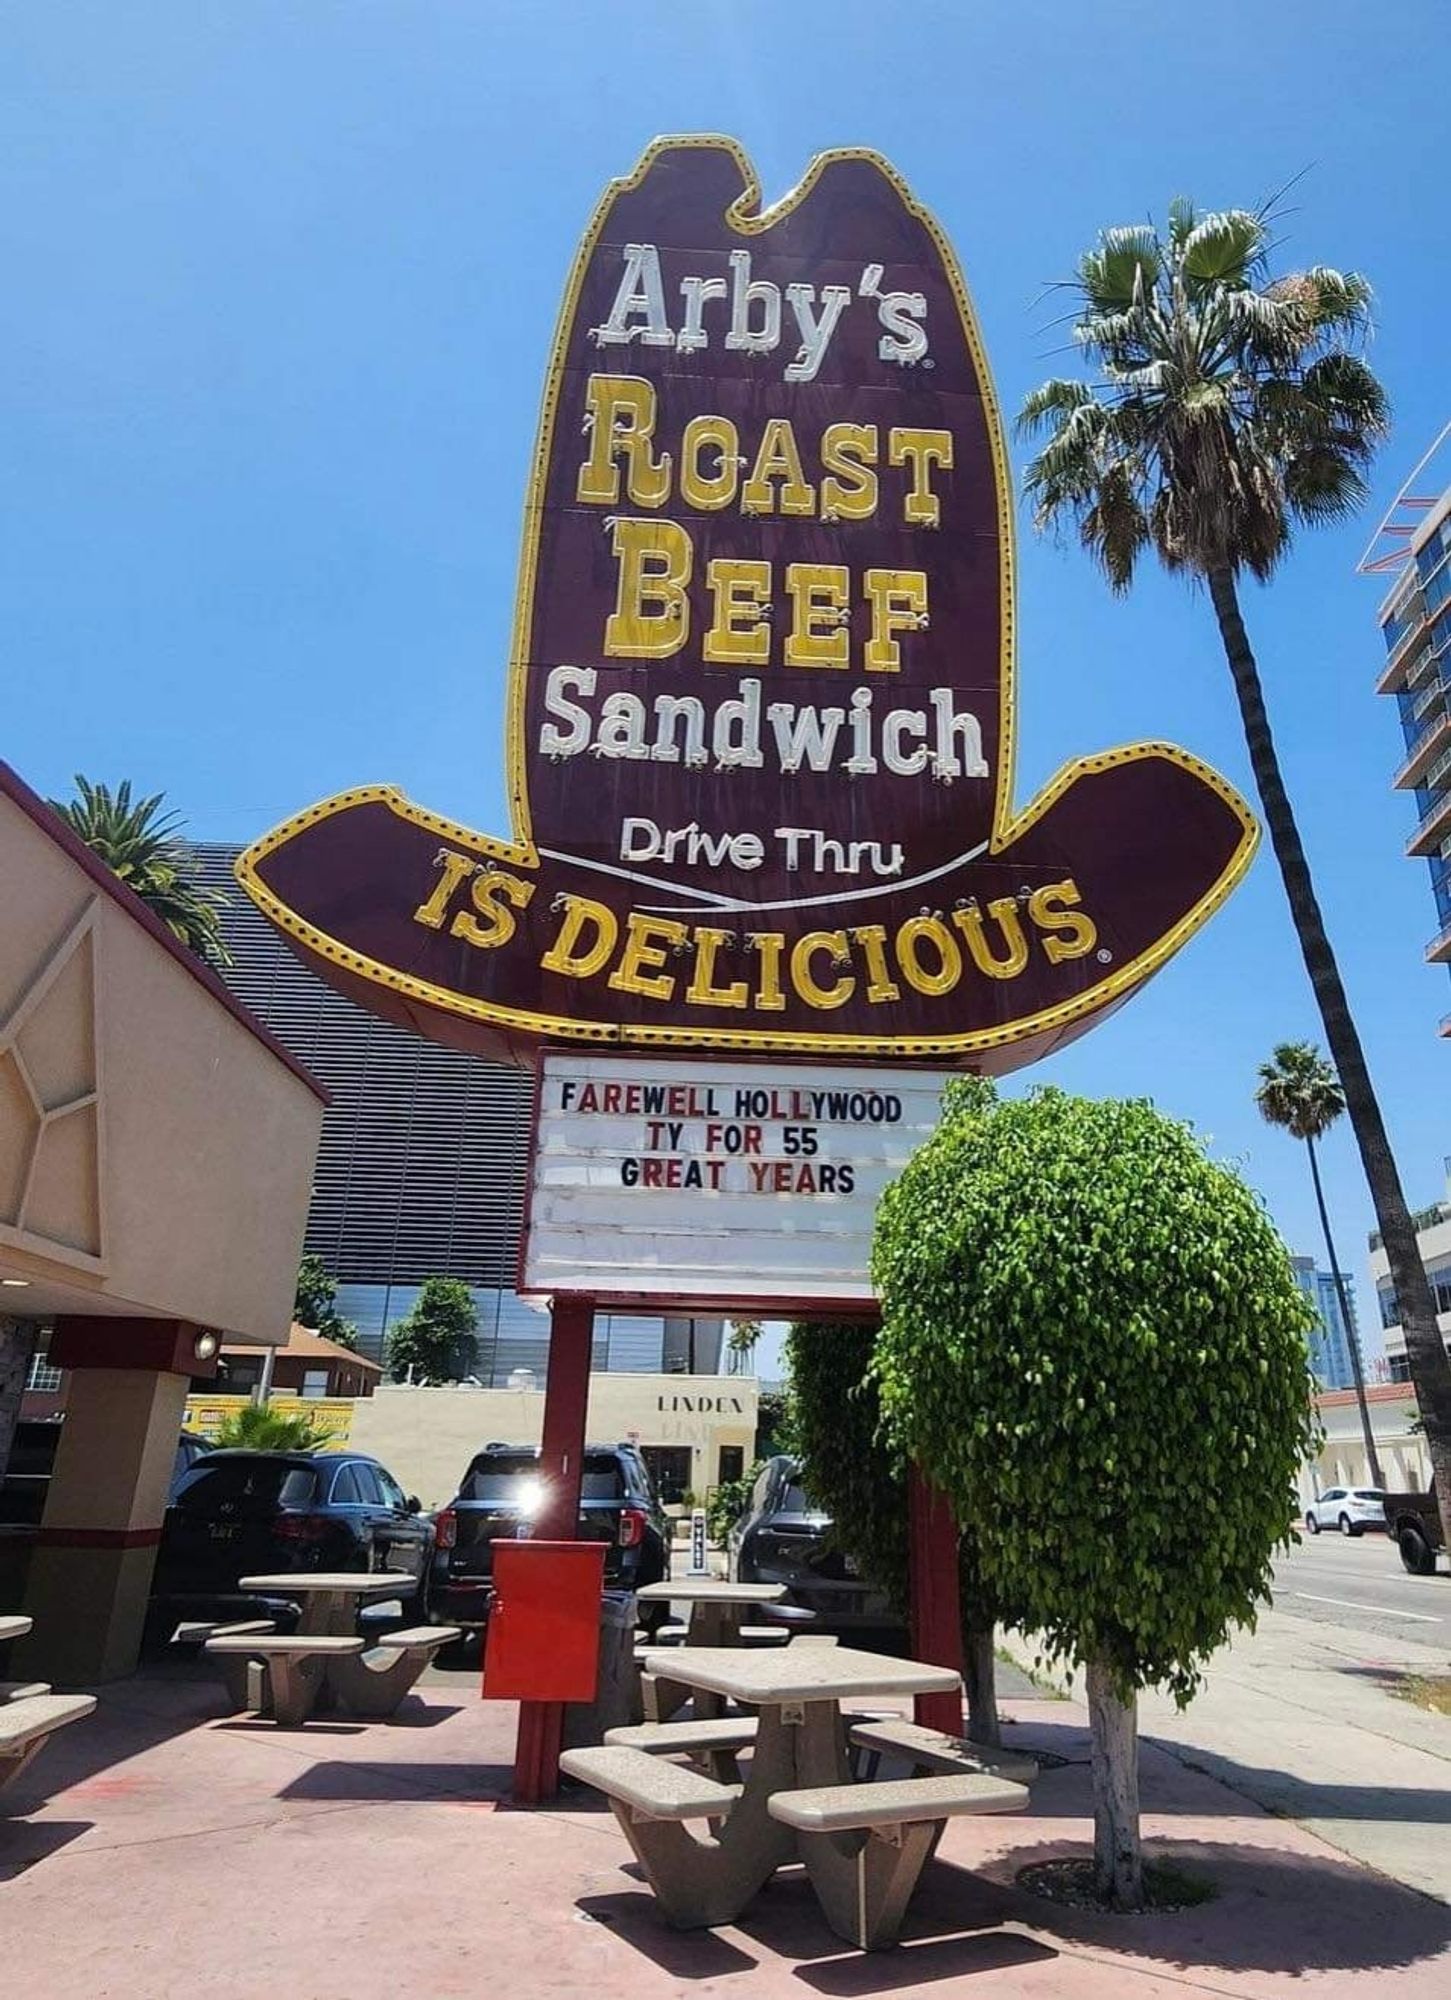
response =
{"points": [[1347, 1581]]}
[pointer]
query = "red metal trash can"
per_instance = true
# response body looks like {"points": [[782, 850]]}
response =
{"points": [[543, 1639]]}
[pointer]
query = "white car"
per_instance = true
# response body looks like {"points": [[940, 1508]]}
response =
{"points": [[1352, 1509]]}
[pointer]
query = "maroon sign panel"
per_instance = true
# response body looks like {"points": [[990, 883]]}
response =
{"points": [[759, 723]]}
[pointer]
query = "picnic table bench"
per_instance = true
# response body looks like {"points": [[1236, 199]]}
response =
{"points": [[864, 1845], [928, 1751], [294, 1666], [27, 1725], [291, 1675]]}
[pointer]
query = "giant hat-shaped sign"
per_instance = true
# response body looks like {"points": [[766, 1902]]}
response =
{"points": [[760, 718]]}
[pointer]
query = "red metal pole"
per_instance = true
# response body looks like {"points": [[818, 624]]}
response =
{"points": [[561, 1466], [936, 1609]]}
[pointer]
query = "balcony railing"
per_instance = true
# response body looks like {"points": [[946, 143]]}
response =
{"points": [[1426, 696], [1431, 742], [1393, 675], [1424, 1218], [1431, 827], [1439, 949]]}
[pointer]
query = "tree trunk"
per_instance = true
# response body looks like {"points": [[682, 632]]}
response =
{"points": [[17, 1344], [979, 1678], [1118, 1863], [1426, 1355], [1352, 1338]]}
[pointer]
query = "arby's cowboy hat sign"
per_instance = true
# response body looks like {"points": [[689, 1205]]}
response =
{"points": [[759, 723]]}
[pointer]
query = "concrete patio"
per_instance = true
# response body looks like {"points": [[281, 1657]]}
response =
{"points": [[165, 1846]]}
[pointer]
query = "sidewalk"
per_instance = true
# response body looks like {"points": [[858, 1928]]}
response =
{"points": [[1298, 1717], [165, 1846]]}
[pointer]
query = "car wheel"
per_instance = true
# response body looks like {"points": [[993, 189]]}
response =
{"points": [[1347, 1526], [1417, 1555], [1312, 1526]]}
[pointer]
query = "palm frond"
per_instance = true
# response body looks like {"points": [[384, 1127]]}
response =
{"points": [[142, 846], [1123, 264], [1050, 401], [1223, 249]]}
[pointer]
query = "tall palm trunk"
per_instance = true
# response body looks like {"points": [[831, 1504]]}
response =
{"points": [[1351, 1336], [1430, 1368]]}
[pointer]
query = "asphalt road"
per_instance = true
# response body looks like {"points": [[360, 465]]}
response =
{"points": [[1358, 1582]]}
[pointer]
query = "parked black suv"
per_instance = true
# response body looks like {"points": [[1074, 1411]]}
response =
{"points": [[784, 1537], [498, 1499], [242, 1513]]}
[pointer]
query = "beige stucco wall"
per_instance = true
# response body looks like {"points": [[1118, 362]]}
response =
{"points": [[426, 1436], [1404, 1463], [168, 1168]]}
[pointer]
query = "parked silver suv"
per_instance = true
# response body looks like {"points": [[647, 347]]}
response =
{"points": [[1351, 1509]]}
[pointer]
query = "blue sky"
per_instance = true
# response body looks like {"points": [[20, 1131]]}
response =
{"points": [[278, 281]]}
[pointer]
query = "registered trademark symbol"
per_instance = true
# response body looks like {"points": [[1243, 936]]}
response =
{"points": [[929, 362], [1105, 958]]}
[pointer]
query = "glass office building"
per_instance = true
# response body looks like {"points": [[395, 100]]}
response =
{"points": [[1329, 1341], [421, 1168]]}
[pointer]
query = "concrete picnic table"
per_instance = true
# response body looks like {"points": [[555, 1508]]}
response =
{"points": [[717, 1609], [800, 1744], [330, 1599], [13, 1628]]}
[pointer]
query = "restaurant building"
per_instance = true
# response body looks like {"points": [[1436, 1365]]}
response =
{"points": [[156, 1151]]}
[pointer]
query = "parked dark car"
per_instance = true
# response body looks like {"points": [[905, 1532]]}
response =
{"points": [[32, 1460], [498, 1499], [240, 1513], [785, 1537]]}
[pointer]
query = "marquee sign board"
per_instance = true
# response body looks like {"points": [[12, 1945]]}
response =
{"points": [[760, 717], [699, 1182]]}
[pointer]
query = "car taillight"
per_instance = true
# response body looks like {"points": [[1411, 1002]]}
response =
{"points": [[632, 1527], [445, 1529], [302, 1527]]}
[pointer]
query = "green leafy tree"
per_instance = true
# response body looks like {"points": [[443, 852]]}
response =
{"points": [[258, 1427], [140, 844], [315, 1304], [436, 1343], [857, 1473], [729, 1500], [1226, 408], [1092, 1341], [1300, 1093], [775, 1422]]}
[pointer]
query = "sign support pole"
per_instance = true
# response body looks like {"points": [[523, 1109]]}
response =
{"points": [[561, 1466], [936, 1607]]}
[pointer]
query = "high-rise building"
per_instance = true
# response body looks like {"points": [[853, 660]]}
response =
{"points": [[1413, 544], [421, 1168], [1329, 1341], [1433, 1240]]}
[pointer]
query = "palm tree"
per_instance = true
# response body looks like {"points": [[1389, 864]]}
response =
{"points": [[1300, 1092], [741, 1344], [141, 846], [258, 1427], [1226, 408]]}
